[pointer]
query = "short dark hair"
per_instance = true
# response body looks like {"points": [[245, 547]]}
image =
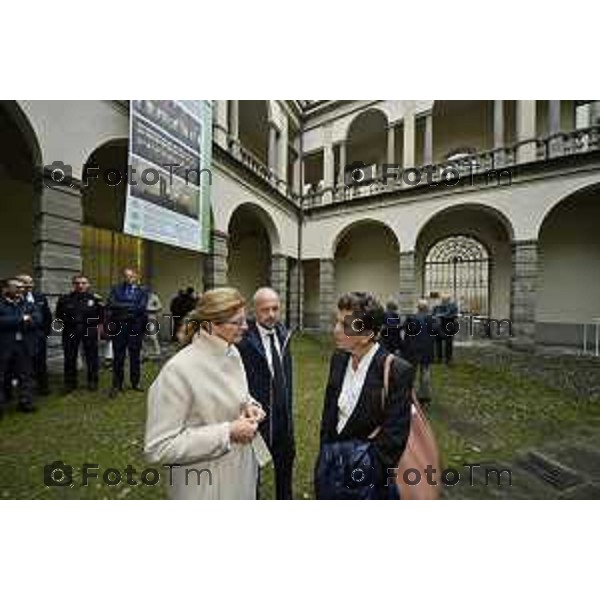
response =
{"points": [[80, 276], [367, 305], [391, 306]]}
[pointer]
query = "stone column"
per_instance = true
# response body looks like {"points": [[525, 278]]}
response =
{"points": [[56, 241], [499, 132], [428, 140], [220, 123], [234, 125], [328, 170], [326, 293], [297, 184], [272, 152], [296, 295], [523, 289], [391, 143], [408, 154], [215, 263], [279, 273], [408, 283], [555, 146], [342, 171], [526, 130]]}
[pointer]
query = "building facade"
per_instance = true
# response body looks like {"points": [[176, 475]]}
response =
{"points": [[496, 202]]}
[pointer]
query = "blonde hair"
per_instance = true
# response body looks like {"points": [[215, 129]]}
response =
{"points": [[214, 306]]}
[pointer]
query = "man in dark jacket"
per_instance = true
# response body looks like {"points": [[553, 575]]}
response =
{"points": [[446, 314], [419, 339], [268, 363], [390, 331], [81, 313], [126, 326], [18, 323], [42, 331]]}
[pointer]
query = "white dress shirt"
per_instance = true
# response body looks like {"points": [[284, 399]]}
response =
{"points": [[266, 342], [352, 387]]}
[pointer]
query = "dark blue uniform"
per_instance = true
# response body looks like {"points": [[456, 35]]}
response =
{"points": [[274, 391], [81, 314], [42, 331], [18, 344], [126, 326]]}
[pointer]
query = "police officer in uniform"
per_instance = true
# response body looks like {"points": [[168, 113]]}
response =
{"points": [[81, 313], [126, 327], [19, 320], [42, 331]]}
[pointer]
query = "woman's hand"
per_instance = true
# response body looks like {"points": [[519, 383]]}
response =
{"points": [[254, 411], [242, 430]]}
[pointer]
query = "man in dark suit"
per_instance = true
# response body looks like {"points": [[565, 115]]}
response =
{"points": [[81, 313], [18, 323], [446, 314], [126, 326], [42, 331], [268, 363]]}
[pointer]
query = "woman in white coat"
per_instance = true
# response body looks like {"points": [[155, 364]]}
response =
{"points": [[200, 414]]}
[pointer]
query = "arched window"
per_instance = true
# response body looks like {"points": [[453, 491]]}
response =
{"points": [[459, 266]]}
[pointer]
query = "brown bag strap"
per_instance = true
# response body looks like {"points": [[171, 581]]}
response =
{"points": [[385, 390]]}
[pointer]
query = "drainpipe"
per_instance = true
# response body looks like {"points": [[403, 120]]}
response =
{"points": [[300, 226]]}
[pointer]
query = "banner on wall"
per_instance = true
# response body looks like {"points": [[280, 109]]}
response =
{"points": [[168, 192]]}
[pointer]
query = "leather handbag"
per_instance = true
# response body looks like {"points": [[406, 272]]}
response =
{"points": [[421, 451]]}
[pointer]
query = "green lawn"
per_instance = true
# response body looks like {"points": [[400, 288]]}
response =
{"points": [[479, 414]]}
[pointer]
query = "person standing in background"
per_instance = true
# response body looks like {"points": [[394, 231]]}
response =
{"points": [[19, 321], [446, 314], [154, 309], [126, 327], [82, 314], [42, 331]]}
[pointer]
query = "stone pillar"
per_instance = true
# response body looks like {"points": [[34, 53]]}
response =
{"points": [[326, 294], [526, 130], [273, 138], [328, 171], [555, 146], [499, 132], [234, 124], [279, 274], [56, 241], [215, 263], [57, 238], [408, 154], [408, 283], [296, 295], [391, 143], [297, 185], [342, 171], [220, 123], [523, 289], [428, 141]]}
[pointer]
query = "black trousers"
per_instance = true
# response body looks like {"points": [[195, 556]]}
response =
{"points": [[283, 462], [128, 340], [17, 361], [40, 364], [443, 348], [71, 342]]}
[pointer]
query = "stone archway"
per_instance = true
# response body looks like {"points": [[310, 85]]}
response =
{"points": [[253, 258], [490, 242], [568, 290], [20, 165]]}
